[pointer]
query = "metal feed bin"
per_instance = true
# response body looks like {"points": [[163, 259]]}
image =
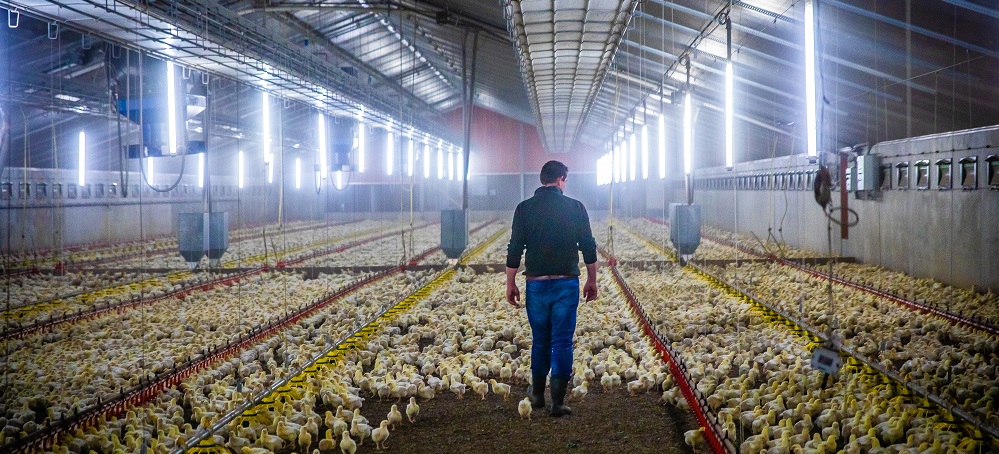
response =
{"points": [[199, 234], [454, 232], [685, 228]]}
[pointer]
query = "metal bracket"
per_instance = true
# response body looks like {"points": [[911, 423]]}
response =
{"points": [[13, 18]]}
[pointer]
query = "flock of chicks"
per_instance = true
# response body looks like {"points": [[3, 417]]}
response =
{"points": [[36, 297], [71, 368], [952, 361], [756, 376], [955, 362], [52, 375], [949, 360], [175, 415], [463, 338]]}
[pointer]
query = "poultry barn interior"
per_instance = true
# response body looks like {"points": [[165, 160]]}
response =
{"points": [[251, 226]]}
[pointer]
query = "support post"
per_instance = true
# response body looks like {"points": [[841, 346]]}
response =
{"points": [[469, 104]]}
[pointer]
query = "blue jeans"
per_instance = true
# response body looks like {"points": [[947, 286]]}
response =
{"points": [[551, 310]]}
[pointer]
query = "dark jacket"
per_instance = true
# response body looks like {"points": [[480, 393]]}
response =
{"points": [[553, 228]]}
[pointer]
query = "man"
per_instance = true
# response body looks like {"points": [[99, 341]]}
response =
{"points": [[553, 228]]}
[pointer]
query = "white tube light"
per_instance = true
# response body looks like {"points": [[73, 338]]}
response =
{"points": [[410, 157], [150, 171], [622, 159], [83, 159], [265, 108], [645, 152], [339, 179], [729, 115], [460, 165], [266, 146], [450, 166], [810, 120], [323, 151], [171, 108], [440, 160], [600, 172], [240, 171], [426, 160], [298, 173], [389, 153], [201, 170], [360, 144], [613, 154], [617, 163], [632, 158], [609, 167], [662, 146], [688, 133]]}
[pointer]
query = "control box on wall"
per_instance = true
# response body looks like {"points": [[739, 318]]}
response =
{"points": [[864, 176]]}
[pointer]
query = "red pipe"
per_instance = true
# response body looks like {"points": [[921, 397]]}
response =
{"points": [[844, 217], [711, 432]]}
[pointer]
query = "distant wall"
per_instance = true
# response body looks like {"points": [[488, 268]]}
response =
{"points": [[948, 234]]}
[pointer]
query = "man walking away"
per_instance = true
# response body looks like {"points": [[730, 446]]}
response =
{"points": [[553, 228]]}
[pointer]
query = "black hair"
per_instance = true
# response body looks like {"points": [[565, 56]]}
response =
{"points": [[552, 171]]}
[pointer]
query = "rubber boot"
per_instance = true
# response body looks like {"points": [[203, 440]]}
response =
{"points": [[559, 387], [536, 392]]}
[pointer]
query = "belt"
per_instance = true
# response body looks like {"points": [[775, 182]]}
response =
{"points": [[548, 277]]}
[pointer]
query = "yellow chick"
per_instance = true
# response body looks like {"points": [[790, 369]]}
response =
{"points": [[327, 444], [347, 446], [412, 410], [394, 416], [272, 442], [481, 388], [380, 434], [502, 389], [304, 439], [695, 438], [524, 407]]}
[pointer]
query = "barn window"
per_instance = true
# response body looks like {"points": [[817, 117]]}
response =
{"points": [[923, 174], [944, 174], [902, 175], [993, 171], [886, 177], [969, 173]]}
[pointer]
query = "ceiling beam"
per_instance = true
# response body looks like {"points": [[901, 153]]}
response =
{"points": [[799, 47], [974, 7], [314, 35], [913, 28]]}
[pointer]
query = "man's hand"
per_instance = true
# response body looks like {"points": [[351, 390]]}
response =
{"points": [[590, 289], [512, 294]]}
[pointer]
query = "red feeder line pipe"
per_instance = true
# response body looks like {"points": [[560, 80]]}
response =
{"points": [[715, 440]]}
